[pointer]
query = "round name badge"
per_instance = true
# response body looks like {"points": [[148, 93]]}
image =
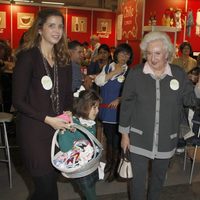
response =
{"points": [[121, 79], [174, 84], [46, 82]]}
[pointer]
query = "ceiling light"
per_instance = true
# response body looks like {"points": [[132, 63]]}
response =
{"points": [[53, 3], [25, 1]]}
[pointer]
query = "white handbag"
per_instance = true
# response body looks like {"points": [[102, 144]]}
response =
{"points": [[125, 168]]}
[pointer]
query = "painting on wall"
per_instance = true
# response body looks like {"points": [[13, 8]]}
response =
{"points": [[79, 24], [24, 20], [2, 19], [104, 25]]}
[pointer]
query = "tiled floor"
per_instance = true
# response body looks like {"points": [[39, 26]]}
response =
{"points": [[176, 185]]}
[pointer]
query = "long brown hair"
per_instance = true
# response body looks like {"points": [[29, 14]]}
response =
{"points": [[32, 37]]}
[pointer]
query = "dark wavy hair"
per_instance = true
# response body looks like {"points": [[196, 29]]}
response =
{"points": [[186, 44], [33, 38], [85, 101], [124, 47]]}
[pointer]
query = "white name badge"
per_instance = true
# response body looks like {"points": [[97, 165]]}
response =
{"points": [[121, 78], [46, 82], [174, 84]]}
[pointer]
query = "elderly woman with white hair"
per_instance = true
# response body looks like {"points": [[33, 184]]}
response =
{"points": [[152, 98]]}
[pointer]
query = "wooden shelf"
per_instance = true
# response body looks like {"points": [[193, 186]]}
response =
{"points": [[161, 28]]}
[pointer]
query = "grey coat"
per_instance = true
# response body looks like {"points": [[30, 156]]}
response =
{"points": [[150, 110]]}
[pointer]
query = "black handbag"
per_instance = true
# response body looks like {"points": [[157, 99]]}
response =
{"points": [[125, 168]]}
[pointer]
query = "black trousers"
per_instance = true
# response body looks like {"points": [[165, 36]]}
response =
{"points": [[113, 137], [45, 187]]}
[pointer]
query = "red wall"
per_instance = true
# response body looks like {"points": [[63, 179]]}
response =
{"points": [[159, 8], [6, 33], [76, 35], [132, 17], [194, 5], [68, 13], [107, 15], [17, 33]]}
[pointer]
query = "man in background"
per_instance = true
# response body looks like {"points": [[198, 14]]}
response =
{"points": [[76, 55]]}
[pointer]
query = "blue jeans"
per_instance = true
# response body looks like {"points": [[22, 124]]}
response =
{"points": [[87, 185]]}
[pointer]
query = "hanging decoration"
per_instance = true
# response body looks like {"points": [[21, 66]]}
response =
{"points": [[177, 18], [189, 23], [198, 23]]}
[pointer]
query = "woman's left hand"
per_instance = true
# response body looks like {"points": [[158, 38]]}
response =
{"points": [[114, 104], [57, 123]]}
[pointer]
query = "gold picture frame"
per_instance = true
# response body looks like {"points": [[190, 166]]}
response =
{"points": [[24, 20], [2, 19], [104, 25], [79, 24]]}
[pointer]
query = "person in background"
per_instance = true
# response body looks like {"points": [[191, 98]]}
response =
{"points": [[5, 52], [87, 53], [42, 90], [76, 56], [198, 60], [151, 102], [103, 58], [112, 50], [86, 108], [94, 40], [185, 60], [111, 80], [95, 68], [6, 68], [193, 75]]}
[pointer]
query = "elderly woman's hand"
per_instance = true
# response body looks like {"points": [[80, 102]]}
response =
{"points": [[125, 142]]}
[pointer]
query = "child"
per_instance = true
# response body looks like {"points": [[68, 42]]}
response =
{"points": [[110, 81], [85, 111]]}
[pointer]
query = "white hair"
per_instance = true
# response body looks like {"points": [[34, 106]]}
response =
{"points": [[163, 37]]}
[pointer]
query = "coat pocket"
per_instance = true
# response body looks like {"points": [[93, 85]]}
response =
{"points": [[172, 136]]}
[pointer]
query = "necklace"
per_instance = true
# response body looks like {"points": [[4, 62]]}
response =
{"points": [[54, 96]]}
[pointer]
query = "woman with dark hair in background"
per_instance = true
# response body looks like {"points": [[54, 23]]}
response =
{"points": [[42, 89], [110, 81], [185, 61], [103, 58]]}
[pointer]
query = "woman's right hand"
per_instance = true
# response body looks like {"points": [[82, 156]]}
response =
{"points": [[125, 142], [57, 123], [118, 68]]}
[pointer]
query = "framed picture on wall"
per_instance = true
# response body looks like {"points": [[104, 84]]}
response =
{"points": [[104, 25], [2, 19], [24, 20], [79, 24]]}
